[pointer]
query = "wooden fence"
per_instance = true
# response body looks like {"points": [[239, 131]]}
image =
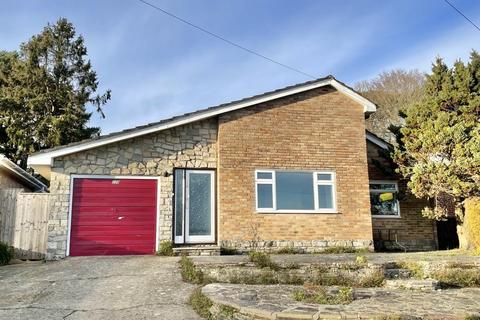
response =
{"points": [[24, 222]]}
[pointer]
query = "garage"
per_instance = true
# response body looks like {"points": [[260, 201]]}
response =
{"points": [[112, 216]]}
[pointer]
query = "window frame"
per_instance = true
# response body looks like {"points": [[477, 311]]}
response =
{"points": [[394, 182], [315, 184]]}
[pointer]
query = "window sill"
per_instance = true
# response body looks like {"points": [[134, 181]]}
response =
{"points": [[297, 211], [387, 217]]}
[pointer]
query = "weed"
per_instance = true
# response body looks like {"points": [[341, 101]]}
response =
{"points": [[319, 295], [6, 253], [227, 312], [361, 260], [291, 266], [473, 317], [326, 278], [288, 250], [458, 277], [190, 273], [338, 249], [263, 260], [200, 303], [415, 268], [374, 279], [166, 248]]}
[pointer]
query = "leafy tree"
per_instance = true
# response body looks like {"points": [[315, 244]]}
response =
{"points": [[439, 145], [45, 89], [391, 91]]}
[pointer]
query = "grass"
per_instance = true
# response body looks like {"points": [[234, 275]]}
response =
{"points": [[262, 260], [288, 250], [325, 277], [166, 249], [341, 249], [200, 303], [361, 260], [190, 273], [458, 277], [318, 295], [416, 270]]}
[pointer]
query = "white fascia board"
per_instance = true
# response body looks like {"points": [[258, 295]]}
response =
{"points": [[47, 157], [379, 142]]}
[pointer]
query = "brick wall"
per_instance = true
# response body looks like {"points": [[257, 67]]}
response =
{"points": [[188, 146], [317, 130], [411, 229]]}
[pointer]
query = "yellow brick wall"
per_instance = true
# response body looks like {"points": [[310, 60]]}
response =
{"points": [[321, 129]]}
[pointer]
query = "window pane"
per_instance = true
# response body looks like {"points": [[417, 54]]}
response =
{"points": [[324, 177], [294, 190], [200, 201], [265, 196], [325, 196], [384, 204], [264, 175], [383, 186], [179, 202]]}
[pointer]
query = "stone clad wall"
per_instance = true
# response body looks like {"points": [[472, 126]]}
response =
{"points": [[321, 129], [189, 146], [412, 230]]}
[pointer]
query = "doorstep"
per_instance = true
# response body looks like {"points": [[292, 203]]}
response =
{"points": [[197, 250]]}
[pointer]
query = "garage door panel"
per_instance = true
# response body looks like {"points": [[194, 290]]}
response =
{"points": [[113, 216], [122, 183]]}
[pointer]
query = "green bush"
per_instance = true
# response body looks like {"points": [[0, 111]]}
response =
{"points": [[166, 249], [472, 222], [6, 253]]}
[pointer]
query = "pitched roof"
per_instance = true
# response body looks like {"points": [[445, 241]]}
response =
{"points": [[45, 157], [26, 178]]}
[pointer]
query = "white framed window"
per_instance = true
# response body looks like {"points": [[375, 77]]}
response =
{"points": [[283, 191], [384, 199]]}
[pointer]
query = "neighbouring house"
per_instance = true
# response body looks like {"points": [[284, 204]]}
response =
{"points": [[14, 177], [284, 168]]}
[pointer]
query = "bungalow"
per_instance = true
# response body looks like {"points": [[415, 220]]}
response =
{"points": [[292, 167]]}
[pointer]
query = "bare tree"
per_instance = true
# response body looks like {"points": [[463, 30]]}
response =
{"points": [[392, 91]]}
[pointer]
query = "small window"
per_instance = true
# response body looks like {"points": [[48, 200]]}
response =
{"points": [[295, 191], [384, 199]]}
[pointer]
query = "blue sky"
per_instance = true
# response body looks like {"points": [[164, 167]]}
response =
{"points": [[157, 67]]}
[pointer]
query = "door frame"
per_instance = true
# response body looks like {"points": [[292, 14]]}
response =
{"points": [[213, 237], [94, 176]]}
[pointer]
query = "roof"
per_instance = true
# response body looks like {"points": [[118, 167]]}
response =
{"points": [[43, 160], [378, 141], [26, 178]]}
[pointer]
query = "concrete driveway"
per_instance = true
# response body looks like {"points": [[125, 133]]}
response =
{"points": [[132, 287]]}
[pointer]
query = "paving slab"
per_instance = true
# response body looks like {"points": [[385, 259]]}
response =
{"points": [[127, 287], [371, 303]]}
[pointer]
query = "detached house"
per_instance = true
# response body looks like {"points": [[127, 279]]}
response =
{"points": [[293, 167]]}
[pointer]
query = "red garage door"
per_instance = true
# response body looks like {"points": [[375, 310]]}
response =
{"points": [[113, 216]]}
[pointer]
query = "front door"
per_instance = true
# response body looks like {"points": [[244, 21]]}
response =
{"points": [[194, 206]]}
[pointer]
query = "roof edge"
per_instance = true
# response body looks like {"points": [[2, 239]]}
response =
{"points": [[45, 158], [22, 174]]}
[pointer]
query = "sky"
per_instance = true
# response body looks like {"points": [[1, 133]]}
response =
{"points": [[158, 67]]}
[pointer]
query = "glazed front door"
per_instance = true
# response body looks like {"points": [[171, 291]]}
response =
{"points": [[194, 206]]}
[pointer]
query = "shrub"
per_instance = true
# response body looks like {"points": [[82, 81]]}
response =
{"points": [[361, 260], [472, 222], [166, 249], [200, 303], [262, 260], [189, 271], [6, 253]]}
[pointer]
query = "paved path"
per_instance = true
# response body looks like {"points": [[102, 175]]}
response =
{"points": [[132, 287], [276, 302]]}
